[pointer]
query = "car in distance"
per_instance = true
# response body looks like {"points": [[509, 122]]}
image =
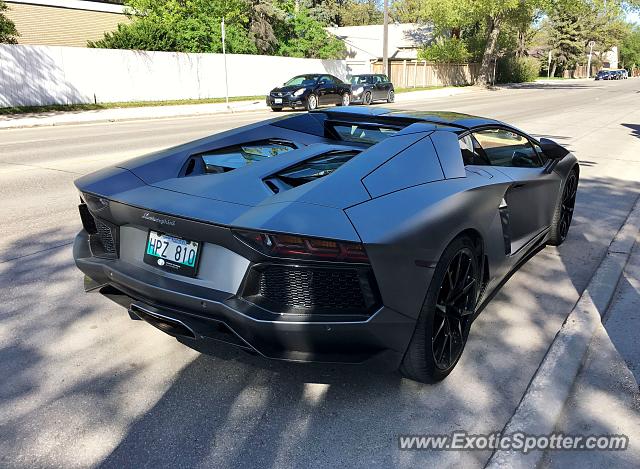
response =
{"points": [[309, 91], [342, 235], [603, 75], [368, 88]]}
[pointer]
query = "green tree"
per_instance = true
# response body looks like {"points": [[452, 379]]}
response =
{"points": [[464, 19], [251, 26], [304, 36], [361, 13], [8, 31], [630, 49], [183, 26], [568, 33]]}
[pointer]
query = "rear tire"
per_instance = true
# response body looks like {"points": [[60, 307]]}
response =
{"points": [[446, 315], [345, 100], [367, 98], [391, 97], [276, 109], [563, 213]]}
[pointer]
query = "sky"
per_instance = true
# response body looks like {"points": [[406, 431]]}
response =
{"points": [[633, 17]]}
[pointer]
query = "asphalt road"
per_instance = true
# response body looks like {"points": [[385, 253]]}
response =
{"points": [[83, 385]]}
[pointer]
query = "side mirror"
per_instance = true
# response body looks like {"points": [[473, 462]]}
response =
{"points": [[552, 149]]}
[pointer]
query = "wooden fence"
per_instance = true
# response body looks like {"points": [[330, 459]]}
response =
{"points": [[420, 73]]}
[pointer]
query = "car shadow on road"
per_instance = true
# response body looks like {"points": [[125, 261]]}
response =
{"points": [[234, 409]]}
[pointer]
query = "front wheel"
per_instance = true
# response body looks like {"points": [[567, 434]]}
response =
{"points": [[445, 318], [367, 98], [276, 109], [345, 100], [312, 102], [563, 213]]}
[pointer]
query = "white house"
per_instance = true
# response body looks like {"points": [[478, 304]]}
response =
{"points": [[364, 43]]}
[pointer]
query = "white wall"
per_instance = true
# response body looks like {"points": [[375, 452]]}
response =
{"points": [[40, 75]]}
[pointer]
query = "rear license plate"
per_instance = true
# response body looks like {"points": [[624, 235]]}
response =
{"points": [[171, 253], [277, 100]]}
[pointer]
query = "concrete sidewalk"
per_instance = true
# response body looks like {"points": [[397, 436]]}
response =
{"points": [[605, 398], [185, 110]]}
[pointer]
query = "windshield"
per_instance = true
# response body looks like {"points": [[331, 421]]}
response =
{"points": [[360, 79], [303, 80]]}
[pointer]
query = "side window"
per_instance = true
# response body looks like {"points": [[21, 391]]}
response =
{"points": [[472, 154], [324, 80], [384, 78], [377, 79], [506, 148]]}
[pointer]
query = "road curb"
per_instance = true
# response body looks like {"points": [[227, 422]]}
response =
{"points": [[544, 398]]}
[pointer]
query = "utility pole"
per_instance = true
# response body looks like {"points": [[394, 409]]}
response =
{"points": [[591, 44], [224, 55], [385, 39], [549, 66]]}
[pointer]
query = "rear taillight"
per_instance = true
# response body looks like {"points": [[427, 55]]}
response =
{"points": [[299, 247]]}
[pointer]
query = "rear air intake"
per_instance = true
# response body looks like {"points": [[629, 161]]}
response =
{"points": [[312, 289], [103, 236]]}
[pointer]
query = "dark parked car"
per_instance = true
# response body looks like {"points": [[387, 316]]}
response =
{"points": [[603, 75], [344, 235], [369, 88], [309, 92]]}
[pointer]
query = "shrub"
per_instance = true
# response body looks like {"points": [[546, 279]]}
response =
{"points": [[517, 70]]}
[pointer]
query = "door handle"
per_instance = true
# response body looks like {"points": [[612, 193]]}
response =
{"points": [[518, 185]]}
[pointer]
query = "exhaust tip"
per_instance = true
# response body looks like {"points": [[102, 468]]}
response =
{"points": [[169, 326]]}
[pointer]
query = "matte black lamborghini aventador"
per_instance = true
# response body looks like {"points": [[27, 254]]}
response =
{"points": [[342, 235]]}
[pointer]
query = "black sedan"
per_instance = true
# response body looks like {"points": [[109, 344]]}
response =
{"points": [[369, 88], [310, 91], [345, 235]]}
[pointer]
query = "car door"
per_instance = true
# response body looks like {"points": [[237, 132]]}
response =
{"points": [[385, 87], [327, 93], [531, 197], [378, 88]]}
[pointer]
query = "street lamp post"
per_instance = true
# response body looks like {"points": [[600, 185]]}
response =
{"points": [[385, 38], [224, 55], [591, 44]]}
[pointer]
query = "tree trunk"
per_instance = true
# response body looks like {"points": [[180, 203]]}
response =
{"points": [[553, 69], [486, 68], [522, 44]]}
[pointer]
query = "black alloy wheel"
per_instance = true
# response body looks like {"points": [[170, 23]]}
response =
{"points": [[447, 312], [454, 309], [568, 205], [563, 213]]}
